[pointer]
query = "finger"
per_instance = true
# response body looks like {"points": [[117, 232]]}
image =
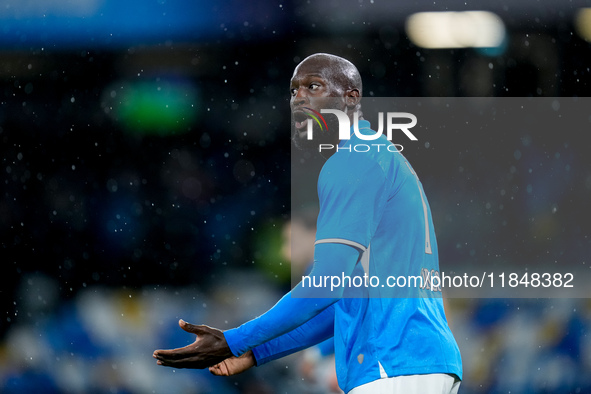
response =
{"points": [[194, 329], [215, 370], [163, 363], [189, 362], [175, 354], [188, 327], [220, 369], [173, 364]]}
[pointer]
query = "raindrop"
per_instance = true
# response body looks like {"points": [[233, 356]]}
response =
{"points": [[517, 154]]}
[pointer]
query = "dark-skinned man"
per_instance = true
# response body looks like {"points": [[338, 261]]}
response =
{"points": [[374, 220]]}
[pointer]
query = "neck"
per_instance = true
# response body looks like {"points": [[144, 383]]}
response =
{"points": [[327, 154]]}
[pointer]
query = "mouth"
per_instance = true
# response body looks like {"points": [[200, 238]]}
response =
{"points": [[300, 119]]}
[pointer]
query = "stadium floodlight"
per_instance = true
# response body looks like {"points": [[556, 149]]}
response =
{"points": [[466, 29], [583, 23]]}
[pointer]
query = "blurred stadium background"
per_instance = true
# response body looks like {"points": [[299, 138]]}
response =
{"points": [[145, 178]]}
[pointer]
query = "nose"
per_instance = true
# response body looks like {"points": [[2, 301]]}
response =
{"points": [[299, 98]]}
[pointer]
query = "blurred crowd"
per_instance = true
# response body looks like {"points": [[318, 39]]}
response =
{"points": [[102, 341], [146, 183]]}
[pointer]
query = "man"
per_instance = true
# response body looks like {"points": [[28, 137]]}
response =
{"points": [[374, 220]]}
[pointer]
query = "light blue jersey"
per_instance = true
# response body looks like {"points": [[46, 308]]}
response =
{"points": [[371, 201], [374, 201]]}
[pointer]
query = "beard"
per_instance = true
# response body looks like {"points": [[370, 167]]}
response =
{"points": [[320, 136]]}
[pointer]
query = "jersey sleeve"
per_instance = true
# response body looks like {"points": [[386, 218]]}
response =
{"points": [[353, 192], [299, 305], [314, 331]]}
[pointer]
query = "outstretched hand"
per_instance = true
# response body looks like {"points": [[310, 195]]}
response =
{"points": [[234, 365], [210, 348]]}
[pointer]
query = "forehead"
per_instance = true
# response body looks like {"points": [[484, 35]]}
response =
{"points": [[312, 68]]}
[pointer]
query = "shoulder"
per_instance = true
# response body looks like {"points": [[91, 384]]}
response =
{"points": [[358, 171]]}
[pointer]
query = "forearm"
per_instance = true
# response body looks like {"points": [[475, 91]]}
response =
{"points": [[314, 331], [296, 307]]}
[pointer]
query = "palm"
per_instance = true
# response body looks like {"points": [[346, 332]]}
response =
{"points": [[209, 348]]}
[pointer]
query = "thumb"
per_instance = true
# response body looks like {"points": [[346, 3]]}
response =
{"points": [[191, 328], [220, 369], [216, 370]]}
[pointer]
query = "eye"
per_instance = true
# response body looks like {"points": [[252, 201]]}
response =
{"points": [[314, 86], [293, 91]]}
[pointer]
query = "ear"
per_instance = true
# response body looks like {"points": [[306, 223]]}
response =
{"points": [[352, 98]]}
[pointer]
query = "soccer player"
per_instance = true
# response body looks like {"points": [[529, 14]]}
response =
{"points": [[374, 220]]}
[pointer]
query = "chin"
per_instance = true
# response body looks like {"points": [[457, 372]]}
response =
{"points": [[303, 143]]}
